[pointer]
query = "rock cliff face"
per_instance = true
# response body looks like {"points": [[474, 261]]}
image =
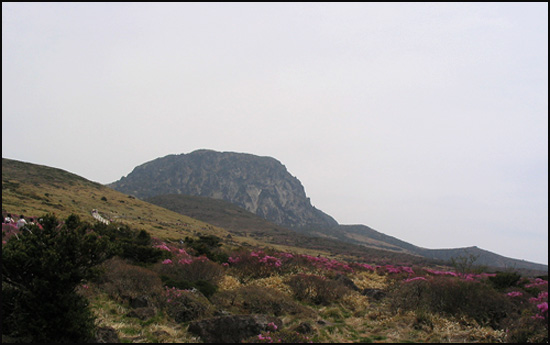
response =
{"points": [[261, 185]]}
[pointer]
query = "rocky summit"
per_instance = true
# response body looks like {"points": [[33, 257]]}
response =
{"points": [[261, 185]]}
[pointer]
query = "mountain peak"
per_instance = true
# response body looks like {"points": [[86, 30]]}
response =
{"points": [[261, 185]]}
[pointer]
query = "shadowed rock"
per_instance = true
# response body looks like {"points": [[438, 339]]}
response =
{"points": [[232, 328]]}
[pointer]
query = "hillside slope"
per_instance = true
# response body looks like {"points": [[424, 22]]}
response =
{"points": [[360, 240], [239, 221], [33, 190]]}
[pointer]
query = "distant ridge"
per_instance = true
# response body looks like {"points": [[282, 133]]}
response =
{"points": [[263, 186]]}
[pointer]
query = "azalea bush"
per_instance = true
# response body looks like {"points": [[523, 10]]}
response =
{"points": [[185, 271], [247, 265]]}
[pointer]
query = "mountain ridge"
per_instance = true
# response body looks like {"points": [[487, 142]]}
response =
{"points": [[215, 181]]}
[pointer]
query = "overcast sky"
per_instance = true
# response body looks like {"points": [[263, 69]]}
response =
{"points": [[427, 122]]}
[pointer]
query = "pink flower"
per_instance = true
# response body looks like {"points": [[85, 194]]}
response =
{"points": [[163, 246], [185, 261], [393, 269], [409, 270], [543, 307], [514, 294], [538, 282], [234, 260], [413, 279], [167, 262]]}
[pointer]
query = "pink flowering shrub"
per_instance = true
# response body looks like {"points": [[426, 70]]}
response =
{"points": [[538, 282], [531, 326], [514, 294], [184, 271], [253, 265], [414, 279]]}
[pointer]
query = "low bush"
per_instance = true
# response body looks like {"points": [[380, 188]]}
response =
{"points": [[209, 246], [199, 273], [185, 305], [504, 280], [247, 265], [131, 244], [452, 296], [316, 289], [525, 329], [124, 282]]}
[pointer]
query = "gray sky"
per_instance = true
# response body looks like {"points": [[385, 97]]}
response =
{"points": [[427, 122]]}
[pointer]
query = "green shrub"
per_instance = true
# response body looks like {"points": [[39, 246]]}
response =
{"points": [[199, 273], [206, 287], [452, 296], [504, 280], [131, 244], [173, 282], [41, 269], [207, 245]]}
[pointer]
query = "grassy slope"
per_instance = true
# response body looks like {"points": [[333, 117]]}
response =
{"points": [[239, 221], [33, 190]]}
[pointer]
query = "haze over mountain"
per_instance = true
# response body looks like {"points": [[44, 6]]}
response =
{"points": [[263, 186]]}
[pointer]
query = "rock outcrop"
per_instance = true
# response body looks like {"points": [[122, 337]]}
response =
{"points": [[233, 328], [261, 185]]}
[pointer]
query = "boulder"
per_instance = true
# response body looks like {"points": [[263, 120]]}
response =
{"points": [[140, 302], [232, 328], [347, 282], [142, 313], [376, 294], [106, 335]]}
